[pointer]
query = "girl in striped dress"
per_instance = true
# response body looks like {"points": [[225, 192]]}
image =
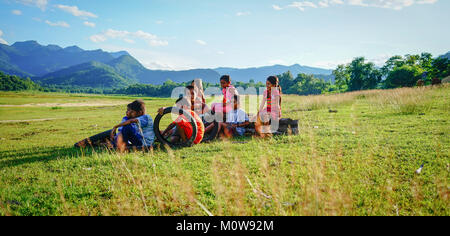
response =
{"points": [[269, 112]]}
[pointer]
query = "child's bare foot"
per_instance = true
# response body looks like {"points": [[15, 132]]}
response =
{"points": [[82, 144]]}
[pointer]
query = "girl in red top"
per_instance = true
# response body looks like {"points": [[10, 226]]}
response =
{"points": [[228, 91], [183, 126]]}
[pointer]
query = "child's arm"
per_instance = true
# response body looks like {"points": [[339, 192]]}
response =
{"points": [[243, 124], [128, 122], [168, 129], [263, 102]]}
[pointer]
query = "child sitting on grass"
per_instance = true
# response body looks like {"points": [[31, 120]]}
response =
{"points": [[136, 129], [181, 129], [237, 120]]}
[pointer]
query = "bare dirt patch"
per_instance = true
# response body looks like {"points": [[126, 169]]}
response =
{"points": [[85, 104], [21, 121]]}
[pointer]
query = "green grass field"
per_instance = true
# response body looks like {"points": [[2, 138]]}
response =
{"points": [[358, 161]]}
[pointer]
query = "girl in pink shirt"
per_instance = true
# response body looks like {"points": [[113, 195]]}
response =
{"points": [[269, 112]]}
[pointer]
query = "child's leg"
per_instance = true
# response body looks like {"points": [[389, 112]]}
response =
{"points": [[181, 132], [209, 128], [228, 131], [120, 143], [222, 127], [128, 135]]}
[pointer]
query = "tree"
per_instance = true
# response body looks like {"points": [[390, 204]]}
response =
{"points": [[440, 67], [391, 63], [286, 80], [308, 85], [363, 75], [412, 60], [404, 76], [425, 61], [341, 77]]}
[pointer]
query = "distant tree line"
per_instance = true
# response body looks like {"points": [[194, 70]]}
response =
{"points": [[398, 71]]}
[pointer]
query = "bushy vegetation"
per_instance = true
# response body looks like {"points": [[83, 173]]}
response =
{"points": [[397, 72], [15, 83]]}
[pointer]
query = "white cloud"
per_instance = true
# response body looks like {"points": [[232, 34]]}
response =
{"points": [[128, 40], [247, 13], [127, 36], [276, 7], [221, 52], [388, 4], [159, 22], [302, 5], [16, 12], [89, 24], [201, 42], [76, 12], [2, 41], [41, 4], [98, 38], [58, 24]]}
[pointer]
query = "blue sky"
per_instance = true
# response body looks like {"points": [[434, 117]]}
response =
{"points": [[183, 34]]}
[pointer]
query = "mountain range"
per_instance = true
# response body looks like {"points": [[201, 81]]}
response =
{"points": [[72, 65]]}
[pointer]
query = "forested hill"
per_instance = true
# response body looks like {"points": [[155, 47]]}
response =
{"points": [[44, 63], [91, 75], [15, 83]]}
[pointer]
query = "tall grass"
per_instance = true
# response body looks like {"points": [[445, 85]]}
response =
{"points": [[358, 161]]}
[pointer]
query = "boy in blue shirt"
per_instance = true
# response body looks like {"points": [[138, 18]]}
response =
{"points": [[237, 120], [136, 128]]}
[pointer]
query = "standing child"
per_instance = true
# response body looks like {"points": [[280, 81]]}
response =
{"points": [[268, 117], [136, 128], [228, 91]]}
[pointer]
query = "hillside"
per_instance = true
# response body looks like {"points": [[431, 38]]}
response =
{"points": [[160, 76], [260, 74], [29, 58], [15, 83], [128, 67], [91, 74], [37, 60], [447, 55]]}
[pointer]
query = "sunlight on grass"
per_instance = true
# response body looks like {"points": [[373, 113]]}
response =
{"points": [[356, 154]]}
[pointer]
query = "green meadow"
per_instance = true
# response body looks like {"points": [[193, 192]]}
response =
{"points": [[358, 161]]}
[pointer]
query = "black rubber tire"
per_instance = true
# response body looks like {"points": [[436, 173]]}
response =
{"points": [[176, 111]]}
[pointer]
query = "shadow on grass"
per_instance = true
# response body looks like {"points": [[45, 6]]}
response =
{"points": [[12, 158], [46, 154]]}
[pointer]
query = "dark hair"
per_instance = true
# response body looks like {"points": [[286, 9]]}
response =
{"points": [[137, 106], [236, 98], [273, 80], [182, 101], [190, 87], [226, 78]]}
